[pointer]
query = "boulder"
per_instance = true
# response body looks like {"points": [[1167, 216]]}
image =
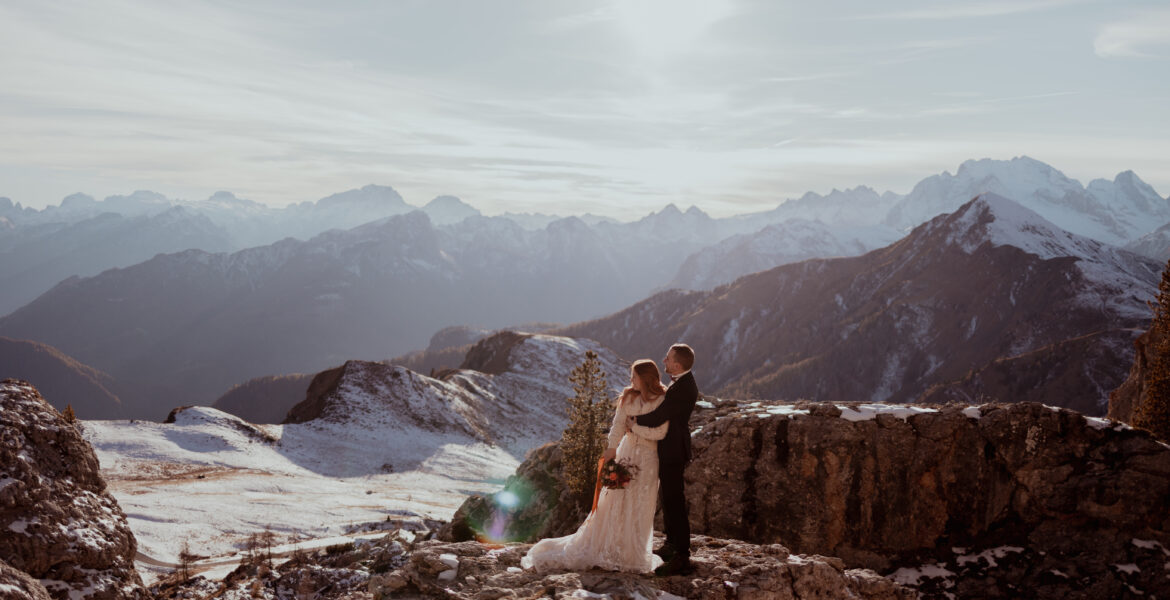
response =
{"points": [[58, 523], [17, 585]]}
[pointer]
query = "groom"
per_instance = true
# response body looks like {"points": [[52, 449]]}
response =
{"points": [[674, 452]]}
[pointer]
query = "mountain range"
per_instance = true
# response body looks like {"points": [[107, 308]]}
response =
{"points": [[186, 326], [991, 280], [83, 236]]}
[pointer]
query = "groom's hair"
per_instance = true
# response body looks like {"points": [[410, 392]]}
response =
{"points": [[684, 355]]}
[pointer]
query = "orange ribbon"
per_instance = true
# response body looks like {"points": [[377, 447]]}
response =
{"points": [[597, 488]]}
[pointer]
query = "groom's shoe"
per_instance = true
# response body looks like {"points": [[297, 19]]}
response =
{"points": [[666, 552], [678, 565]]}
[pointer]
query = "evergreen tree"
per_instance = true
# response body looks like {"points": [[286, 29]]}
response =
{"points": [[1153, 414], [186, 557], [68, 414], [584, 440]]}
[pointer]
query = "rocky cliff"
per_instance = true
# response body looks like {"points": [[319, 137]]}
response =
{"points": [[901, 487], [58, 524], [966, 501]]}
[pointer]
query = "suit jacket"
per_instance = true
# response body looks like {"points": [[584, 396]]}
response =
{"points": [[676, 409]]}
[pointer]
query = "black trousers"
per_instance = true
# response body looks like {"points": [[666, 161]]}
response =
{"points": [[675, 518]]}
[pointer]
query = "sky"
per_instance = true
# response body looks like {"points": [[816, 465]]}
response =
{"points": [[612, 107]]}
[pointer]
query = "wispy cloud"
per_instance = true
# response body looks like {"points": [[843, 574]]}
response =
{"points": [[1145, 35], [972, 9]]}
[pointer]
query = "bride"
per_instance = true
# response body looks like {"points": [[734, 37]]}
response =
{"points": [[618, 535]]}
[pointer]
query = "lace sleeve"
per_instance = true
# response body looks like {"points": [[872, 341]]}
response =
{"points": [[618, 429], [650, 433]]}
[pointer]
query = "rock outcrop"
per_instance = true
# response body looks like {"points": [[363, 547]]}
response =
{"points": [[901, 487], [58, 524]]}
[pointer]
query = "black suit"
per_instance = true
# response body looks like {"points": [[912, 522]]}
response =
{"points": [[674, 452]]}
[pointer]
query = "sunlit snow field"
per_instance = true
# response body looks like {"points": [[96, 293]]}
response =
{"points": [[208, 482]]}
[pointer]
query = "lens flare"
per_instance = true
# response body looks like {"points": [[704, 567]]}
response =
{"points": [[507, 500]]}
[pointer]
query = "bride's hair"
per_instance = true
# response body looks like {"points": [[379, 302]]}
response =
{"points": [[647, 371]]}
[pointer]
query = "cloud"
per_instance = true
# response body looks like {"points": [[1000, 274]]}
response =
{"points": [[969, 10], [1142, 36]]}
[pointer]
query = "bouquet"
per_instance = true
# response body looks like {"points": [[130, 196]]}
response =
{"points": [[616, 475]]}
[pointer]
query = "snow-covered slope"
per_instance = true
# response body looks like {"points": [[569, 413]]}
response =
{"points": [[386, 443], [1116, 276], [1155, 244]]}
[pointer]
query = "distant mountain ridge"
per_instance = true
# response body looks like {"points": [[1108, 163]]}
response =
{"points": [[38, 250], [990, 280], [63, 380]]}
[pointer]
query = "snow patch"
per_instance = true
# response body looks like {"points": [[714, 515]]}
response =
{"points": [[908, 576], [1151, 545], [972, 412], [866, 412], [988, 555], [1098, 423], [1128, 568]]}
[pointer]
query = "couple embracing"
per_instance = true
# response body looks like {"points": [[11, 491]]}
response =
{"points": [[649, 433]]}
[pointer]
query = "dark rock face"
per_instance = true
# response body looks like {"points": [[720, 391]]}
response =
{"points": [[490, 355], [723, 569], [322, 384], [17, 585], [57, 522], [1132, 392], [1076, 495]]}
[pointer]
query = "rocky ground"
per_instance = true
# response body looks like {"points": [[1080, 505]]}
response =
{"points": [[395, 568]]}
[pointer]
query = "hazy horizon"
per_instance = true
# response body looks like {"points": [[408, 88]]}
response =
{"points": [[614, 108]]}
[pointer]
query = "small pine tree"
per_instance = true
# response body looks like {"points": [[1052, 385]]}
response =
{"points": [[186, 557], [68, 414], [584, 440], [267, 541], [1153, 414]]}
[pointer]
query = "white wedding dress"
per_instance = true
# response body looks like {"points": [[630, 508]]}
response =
{"points": [[618, 535]]}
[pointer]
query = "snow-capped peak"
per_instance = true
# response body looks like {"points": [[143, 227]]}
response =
{"points": [[991, 218]]}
